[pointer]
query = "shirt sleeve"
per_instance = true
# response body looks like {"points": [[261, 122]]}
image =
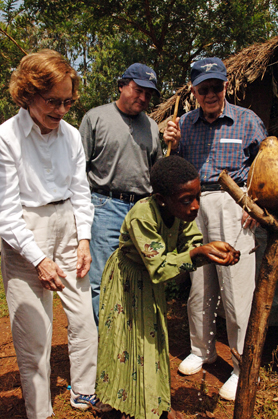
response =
{"points": [[158, 153], [83, 209], [255, 132], [160, 264], [12, 225], [88, 139], [189, 234]]}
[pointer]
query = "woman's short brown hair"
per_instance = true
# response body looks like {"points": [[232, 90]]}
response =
{"points": [[38, 73]]}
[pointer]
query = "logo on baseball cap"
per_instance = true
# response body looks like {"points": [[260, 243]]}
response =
{"points": [[208, 68], [142, 75]]}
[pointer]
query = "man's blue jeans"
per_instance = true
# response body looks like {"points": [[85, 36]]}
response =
{"points": [[108, 219]]}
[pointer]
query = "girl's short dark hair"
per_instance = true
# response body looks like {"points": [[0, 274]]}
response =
{"points": [[169, 173]]}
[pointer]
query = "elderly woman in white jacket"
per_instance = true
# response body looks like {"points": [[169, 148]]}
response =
{"points": [[45, 224]]}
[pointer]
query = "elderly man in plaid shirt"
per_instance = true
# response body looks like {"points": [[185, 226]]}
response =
{"points": [[214, 137]]}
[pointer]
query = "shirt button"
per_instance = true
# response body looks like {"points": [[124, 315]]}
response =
{"points": [[55, 190], [210, 128], [205, 177], [207, 160], [48, 171], [170, 235]]}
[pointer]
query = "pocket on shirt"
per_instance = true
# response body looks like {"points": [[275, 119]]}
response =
{"points": [[229, 154]]}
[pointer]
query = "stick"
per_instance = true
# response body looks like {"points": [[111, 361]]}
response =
{"points": [[237, 356], [174, 120], [267, 220], [8, 36]]}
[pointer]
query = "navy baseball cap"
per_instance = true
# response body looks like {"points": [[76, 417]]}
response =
{"points": [[142, 75], [208, 68]]}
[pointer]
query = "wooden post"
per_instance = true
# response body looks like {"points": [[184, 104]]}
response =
{"points": [[261, 306], [256, 331]]}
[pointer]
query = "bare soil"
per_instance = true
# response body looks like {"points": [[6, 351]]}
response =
{"points": [[190, 395]]}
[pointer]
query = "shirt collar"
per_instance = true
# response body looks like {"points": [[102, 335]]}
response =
{"points": [[27, 123], [228, 112], [126, 114]]}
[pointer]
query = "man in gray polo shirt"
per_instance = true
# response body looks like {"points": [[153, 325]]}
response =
{"points": [[121, 145]]}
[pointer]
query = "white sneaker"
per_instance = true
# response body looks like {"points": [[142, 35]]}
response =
{"points": [[228, 390], [81, 401], [193, 363]]}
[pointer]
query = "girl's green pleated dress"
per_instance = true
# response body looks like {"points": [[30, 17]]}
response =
{"points": [[133, 373]]}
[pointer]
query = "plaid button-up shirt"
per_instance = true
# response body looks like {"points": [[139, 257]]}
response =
{"points": [[231, 142]]}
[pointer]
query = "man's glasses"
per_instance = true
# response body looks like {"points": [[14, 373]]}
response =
{"points": [[56, 103], [203, 91]]}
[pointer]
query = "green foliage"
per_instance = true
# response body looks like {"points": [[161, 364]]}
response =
{"points": [[166, 34], [177, 291], [101, 38], [10, 52], [172, 290]]}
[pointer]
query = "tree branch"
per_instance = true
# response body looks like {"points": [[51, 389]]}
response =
{"points": [[266, 220], [11, 39]]}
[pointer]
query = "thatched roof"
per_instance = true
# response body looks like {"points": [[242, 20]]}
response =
{"points": [[243, 69]]}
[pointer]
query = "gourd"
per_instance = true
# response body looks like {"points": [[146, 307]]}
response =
{"points": [[262, 181]]}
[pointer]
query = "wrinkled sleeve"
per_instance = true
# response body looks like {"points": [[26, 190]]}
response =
{"points": [[255, 133], [189, 235], [160, 264], [12, 225], [83, 209]]}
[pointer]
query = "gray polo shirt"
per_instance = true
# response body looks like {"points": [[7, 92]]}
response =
{"points": [[120, 149]]}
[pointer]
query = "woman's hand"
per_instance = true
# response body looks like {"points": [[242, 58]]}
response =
{"points": [[172, 133], [217, 252], [49, 273], [83, 258]]}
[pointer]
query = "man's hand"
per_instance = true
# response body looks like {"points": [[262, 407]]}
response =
{"points": [[83, 258], [248, 222], [217, 252], [48, 273], [172, 133]]}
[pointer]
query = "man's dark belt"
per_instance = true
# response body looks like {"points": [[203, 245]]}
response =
{"points": [[123, 196], [215, 186]]}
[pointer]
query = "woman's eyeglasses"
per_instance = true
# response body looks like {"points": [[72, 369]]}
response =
{"points": [[203, 91], [56, 103]]}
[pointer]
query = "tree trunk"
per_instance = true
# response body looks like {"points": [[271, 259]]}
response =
{"points": [[256, 331], [261, 306]]}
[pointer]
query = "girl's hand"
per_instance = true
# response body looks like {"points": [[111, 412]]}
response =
{"points": [[217, 252]]}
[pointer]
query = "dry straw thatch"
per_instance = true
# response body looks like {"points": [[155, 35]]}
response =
{"points": [[243, 68]]}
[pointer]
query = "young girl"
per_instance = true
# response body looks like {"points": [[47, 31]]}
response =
{"points": [[159, 240]]}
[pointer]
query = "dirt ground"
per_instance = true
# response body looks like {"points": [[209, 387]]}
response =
{"points": [[187, 396]]}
